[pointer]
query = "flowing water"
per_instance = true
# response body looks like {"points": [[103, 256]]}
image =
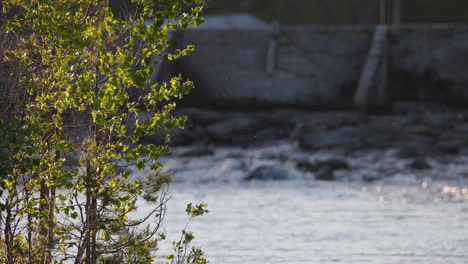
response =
{"points": [[301, 222], [413, 217]]}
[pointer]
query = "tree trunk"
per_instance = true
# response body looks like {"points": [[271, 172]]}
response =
{"points": [[397, 13], [382, 12], [8, 237], [50, 227], [91, 220], [43, 240], [91, 230], [94, 231], [87, 239]]}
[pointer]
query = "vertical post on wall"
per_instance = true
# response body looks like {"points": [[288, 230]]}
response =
{"points": [[272, 49], [382, 11], [397, 13], [372, 87]]}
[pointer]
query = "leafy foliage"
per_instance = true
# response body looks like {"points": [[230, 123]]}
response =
{"points": [[78, 67]]}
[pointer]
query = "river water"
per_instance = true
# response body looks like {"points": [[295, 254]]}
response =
{"points": [[405, 217], [319, 222]]}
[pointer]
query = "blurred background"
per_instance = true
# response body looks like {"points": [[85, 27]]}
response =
{"points": [[317, 136], [335, 12]]}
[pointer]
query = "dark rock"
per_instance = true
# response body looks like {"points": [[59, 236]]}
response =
{"points": [[324, 170], [233, 164], [202, 117], [371, 178], [423, 130], [253, 129], [178, 137], [463, 128], [286, 117], [376, 136], [275, 156], [419, 164], [407, 108], [407, 151], [423, 110], [449, 147], [195, 151], [271, 133], [384, 136], [436, 120], [239, 130], [333, 164], [325, 174], [453, 135], [235, 155], [296, 131], [363, 136], [346, 136], [268, 172]]}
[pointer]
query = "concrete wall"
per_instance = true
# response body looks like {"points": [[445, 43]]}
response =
{"points": [[344, 12], [312, 67], [317, 67], [430, 64]]}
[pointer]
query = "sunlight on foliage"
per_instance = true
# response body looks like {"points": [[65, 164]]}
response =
{"points": [[70, 141]]}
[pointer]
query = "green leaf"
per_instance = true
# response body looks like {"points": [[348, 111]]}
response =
{"points": [[74, 215]]}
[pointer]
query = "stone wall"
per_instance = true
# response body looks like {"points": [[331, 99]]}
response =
{"points": [[317, 67]]}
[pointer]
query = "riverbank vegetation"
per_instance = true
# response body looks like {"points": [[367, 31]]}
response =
{"points": [[71, 133]]}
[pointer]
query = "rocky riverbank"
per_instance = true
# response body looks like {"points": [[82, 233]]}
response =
{"points": [[324, 187], [426, 142]]}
